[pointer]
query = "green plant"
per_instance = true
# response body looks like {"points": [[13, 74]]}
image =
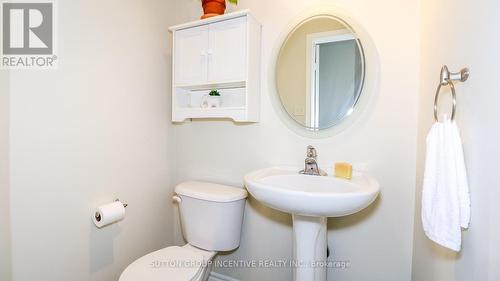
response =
{"points": [[214, 93]]}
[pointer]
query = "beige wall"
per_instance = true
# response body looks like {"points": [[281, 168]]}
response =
{"points": [[5, 257], [377, 241], [464, 33], [91, 131], [291, 69]]}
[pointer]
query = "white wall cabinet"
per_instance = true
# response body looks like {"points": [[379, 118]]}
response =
{"points": [[220, 53]]}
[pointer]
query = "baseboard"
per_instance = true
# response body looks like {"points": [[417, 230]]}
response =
{"points": [[214, 276]]}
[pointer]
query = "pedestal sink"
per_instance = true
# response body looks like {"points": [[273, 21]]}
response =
{"points": [[311, 200]]}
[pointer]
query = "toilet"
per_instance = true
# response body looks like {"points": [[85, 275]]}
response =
{"points": [[211, 218]]}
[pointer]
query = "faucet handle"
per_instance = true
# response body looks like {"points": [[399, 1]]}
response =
{"points": [[311, 152]]}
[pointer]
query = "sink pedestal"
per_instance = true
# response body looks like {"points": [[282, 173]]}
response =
{"points": [[310, 200], [309, 238]]}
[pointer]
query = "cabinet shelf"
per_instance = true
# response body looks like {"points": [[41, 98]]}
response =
{"points": [[238, 114], [222, 53], [212, 109], [212, 85]]}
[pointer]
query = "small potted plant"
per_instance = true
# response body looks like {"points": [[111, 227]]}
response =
{"points": [[213, 8], [212, 100]]}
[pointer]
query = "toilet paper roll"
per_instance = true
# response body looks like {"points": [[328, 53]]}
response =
{"points": [[108, 214]]}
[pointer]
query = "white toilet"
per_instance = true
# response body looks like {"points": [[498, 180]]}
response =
{"points": [[211, 219]]}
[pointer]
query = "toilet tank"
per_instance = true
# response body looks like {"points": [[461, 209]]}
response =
{"points": [[211, 214]]}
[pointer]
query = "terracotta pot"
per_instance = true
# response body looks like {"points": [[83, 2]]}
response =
{"points": [[213, 8]]}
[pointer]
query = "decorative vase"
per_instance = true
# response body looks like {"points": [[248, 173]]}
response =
{"points": [[210, 101], [213, 8]]}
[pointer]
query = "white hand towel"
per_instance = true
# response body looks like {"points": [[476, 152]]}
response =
{"points": [[445, 194]]}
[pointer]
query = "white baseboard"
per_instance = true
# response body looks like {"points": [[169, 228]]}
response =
{"points": [[214, 276]]}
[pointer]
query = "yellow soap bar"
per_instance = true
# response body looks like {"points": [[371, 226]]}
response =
{"points": [[343, 170]]}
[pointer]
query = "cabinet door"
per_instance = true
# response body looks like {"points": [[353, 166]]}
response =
{"points": [[190, 52], [227, 50]]}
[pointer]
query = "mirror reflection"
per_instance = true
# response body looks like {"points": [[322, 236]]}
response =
{"points": [[320, 72]]}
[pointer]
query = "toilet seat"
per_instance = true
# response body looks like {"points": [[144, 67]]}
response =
{"points": [[169, 264]]}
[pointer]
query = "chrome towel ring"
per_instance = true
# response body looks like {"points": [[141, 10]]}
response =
{"points": [[447, 78], [453, 96]]}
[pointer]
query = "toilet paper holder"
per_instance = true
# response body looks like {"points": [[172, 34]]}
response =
{"points": [[124, 204], [98, 216]]}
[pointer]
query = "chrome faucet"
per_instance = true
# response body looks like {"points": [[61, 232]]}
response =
{"points": [[311, 163]]}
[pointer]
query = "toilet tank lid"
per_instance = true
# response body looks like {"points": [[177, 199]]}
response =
{"points": [[210, 191]]}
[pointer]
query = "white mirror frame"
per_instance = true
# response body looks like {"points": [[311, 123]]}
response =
{"points": [[371, 79]]}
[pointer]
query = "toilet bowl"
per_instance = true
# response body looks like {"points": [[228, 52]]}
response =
{"points": [[211, 220], [185, 263]]}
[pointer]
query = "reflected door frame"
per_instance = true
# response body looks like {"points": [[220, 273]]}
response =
{"points": [[314, 40]]}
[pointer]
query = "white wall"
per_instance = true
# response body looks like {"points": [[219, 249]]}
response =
{"points": [[87, 133], [5, 257], [464, 33], [377, 241]]}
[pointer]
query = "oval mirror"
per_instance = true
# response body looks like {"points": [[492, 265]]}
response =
{"points": [[320, 72]]}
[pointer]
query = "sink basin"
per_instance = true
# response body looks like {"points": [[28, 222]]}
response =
{"points": [[284, 189], [310, 200]]}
